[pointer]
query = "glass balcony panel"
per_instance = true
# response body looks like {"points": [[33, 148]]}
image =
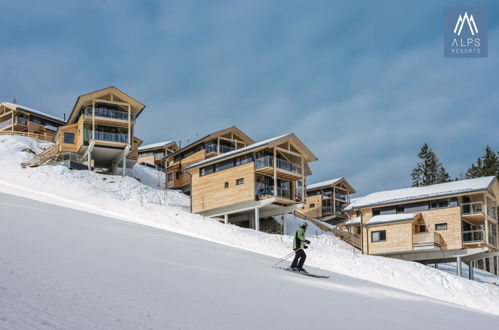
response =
{"points": [[472, 236], [108, 113], [472, 208]]}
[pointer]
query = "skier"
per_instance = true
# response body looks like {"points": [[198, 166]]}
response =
{"points": [[299, 247]]}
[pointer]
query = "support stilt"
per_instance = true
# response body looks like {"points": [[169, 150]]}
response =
{"points": [[257, 219], [459, 269]]}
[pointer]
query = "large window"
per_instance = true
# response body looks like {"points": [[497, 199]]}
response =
{"points": [[69, 137], [416, 206], [226, 164], [378, 236], [441, 226]]}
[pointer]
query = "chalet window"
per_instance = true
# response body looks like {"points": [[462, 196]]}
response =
{"points": [[420, 228], [378, 236], [358, 230], [169, 177], [376, 211], [69, 137], [239, 181], [226, 185], [400, 209], [226, 164], [312, 206], [177, 175], [441, 226]]}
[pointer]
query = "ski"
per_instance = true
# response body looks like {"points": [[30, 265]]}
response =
{"points": [[304, 274]]}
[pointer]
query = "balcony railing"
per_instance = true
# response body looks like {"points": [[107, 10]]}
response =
{"points": [[426, 240], [327, 209], [106, 136], [224, 149], [472, 208], [281, 164], [159, 156], [263, 190], [473, 236], [108, 113], [340, 197], [6, 123], [491, 212]]}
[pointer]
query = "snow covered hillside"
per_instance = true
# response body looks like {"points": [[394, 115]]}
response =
{"points": [[127, 199], [67, 269]]}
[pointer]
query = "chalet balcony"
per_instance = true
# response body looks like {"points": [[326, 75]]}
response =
{"points": [[281, 164], [5, 124], [160, 156], [473, 210], [214, 148], [473, 236], [108, 113], [426, 241], [107, 136], [340, 197]]}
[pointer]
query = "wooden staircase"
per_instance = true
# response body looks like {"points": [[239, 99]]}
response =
{"points": [[42, 158], [345, 236]]}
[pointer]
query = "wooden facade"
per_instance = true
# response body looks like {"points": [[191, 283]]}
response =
{"points": [[16, 119], [156, 154], [327, 200], [211, 145], [267, 177], [453, 222], [99, 133]]}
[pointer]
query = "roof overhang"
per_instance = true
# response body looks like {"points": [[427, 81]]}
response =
{"points": [[86, 99]]}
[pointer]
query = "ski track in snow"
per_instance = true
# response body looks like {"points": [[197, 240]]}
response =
{"points": [[127, 199]]}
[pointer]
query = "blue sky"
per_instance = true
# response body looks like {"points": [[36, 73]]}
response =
{"points": [[363, 84]]}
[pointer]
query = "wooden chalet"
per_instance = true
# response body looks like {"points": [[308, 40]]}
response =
{"points": [[155, 154], [214, 144], [261, 180], [16, 119], [99, 133], [327, 200], [439, 223]]}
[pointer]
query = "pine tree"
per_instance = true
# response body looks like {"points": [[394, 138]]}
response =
{"points": [[487, 165], [429, 170]]}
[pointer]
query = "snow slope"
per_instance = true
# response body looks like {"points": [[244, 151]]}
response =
{"points": [[67, 269], [127, 199]]}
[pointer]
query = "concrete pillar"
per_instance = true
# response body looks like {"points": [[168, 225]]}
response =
{"points": [[284, 224], [226, 219], [89, 160], [124, 164], [471, 276], [257, 219], [459, 270]]}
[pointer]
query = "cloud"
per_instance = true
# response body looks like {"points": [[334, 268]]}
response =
{"points": [[363, 85]]}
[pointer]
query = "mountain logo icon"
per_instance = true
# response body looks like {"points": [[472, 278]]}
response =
{"points": [[465, 19]]}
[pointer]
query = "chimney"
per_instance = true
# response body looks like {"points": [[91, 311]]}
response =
{"points": [[64, 116]]}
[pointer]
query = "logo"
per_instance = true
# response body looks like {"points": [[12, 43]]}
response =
{"points": [[466, 32], [471, 23]]}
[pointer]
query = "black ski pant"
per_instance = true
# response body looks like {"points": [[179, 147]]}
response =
{"points": [[299, 259]]}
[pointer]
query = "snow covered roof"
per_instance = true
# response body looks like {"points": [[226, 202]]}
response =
{"points": [[237, 151], [388, 218], [330, 183], [353, 221], [419, 193], [38, 112], [155, 145], [251, 147], [323, 184]]}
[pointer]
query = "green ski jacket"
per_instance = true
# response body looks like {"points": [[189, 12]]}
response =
{"points": [[299, 240]]}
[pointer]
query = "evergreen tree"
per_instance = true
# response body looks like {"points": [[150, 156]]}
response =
{"points": [[487, 165], [429, 170]]}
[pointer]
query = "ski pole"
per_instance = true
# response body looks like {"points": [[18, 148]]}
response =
{"points": [[285, 258]]}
